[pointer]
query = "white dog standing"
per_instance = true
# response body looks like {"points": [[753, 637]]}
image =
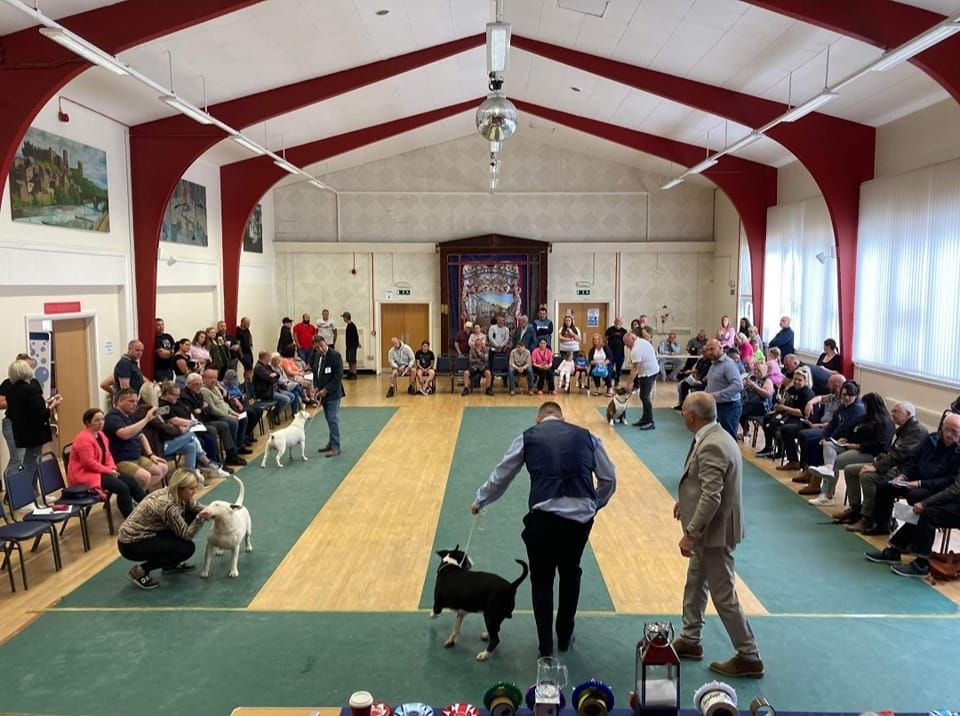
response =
{"points": [[231, 526], [288, 437]]}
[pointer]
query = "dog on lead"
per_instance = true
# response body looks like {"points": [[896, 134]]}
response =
{"points": [[231, 526], [288, 438], [463, 590], [617, 407]]}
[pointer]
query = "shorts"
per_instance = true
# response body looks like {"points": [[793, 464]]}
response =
{"points": [[351, 355], [246, 360], [478, 372], [130, 467]]}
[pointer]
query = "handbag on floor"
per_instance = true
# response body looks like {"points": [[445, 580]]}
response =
{"points": [[945, 567]]}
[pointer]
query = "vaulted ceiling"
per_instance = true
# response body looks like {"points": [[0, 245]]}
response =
{"points": [[730, 44]]}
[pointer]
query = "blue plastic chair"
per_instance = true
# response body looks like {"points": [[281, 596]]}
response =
{"points": [[20, 493], [12, 534]]}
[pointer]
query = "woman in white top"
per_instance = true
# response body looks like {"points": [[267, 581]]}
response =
{"points": [[569, 336], [198, 350], [600, 365]]}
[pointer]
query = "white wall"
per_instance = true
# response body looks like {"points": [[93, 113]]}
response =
{"points": [[258, 292]]}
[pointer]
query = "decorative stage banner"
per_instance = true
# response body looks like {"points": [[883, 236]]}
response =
{"points": [[489, 290], [58, 182], [185, 220]]}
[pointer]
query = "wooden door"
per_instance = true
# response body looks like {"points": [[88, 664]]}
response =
{"points": [[410, 322], [71, 373], [594, 313]]}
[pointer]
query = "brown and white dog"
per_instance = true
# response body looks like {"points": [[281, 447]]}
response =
{"points": [[231, 526], [617, 407], [461, 589]]}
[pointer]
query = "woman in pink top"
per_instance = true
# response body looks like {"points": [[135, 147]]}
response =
{"points": [[726, 335], [745, 348], [542, 358], [199, 352], [92, 465], [773, 366]]}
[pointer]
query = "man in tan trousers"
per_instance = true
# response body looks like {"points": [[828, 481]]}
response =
{"points": [[709, 508]]}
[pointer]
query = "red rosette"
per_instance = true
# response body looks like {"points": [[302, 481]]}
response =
{"points": [[381, 709], [460, 710]]}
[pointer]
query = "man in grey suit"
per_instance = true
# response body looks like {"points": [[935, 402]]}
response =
{"points": [[709, 509]]}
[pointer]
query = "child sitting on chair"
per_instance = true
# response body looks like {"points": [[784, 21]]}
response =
{"points": [[565, 371], [581, 365]]}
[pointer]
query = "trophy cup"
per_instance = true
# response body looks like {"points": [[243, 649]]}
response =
{"points": [[548, 691], [657, 673]]}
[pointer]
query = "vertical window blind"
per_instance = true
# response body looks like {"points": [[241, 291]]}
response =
{"points": [[797, 283], [907, 311]]}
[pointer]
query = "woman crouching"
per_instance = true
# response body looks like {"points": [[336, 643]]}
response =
{"points": [[159, 532]]}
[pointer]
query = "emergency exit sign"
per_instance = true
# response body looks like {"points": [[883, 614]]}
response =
{"points": [[403, 291], [583, 291]]}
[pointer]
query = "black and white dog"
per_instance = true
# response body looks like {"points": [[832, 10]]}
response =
{"points": [[462, 590]]}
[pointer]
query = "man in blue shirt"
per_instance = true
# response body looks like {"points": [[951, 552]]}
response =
{"points": [[543, 327], [562, 460], [784, 338], [725, 384]]}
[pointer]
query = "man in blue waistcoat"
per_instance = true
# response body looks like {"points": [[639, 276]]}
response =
{"points": [[562, 460]]}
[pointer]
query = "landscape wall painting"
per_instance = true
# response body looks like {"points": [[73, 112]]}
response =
{"points": [[56, 181]]}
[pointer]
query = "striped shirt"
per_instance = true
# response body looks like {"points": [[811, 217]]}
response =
{"points": [[159, 513]]}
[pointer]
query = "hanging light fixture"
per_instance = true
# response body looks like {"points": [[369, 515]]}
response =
{"points": [[497, 116]]}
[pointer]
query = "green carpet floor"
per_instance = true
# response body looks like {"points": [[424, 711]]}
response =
{"points": [[485, 435], [208, 663], [277, 523], [791, 560]]}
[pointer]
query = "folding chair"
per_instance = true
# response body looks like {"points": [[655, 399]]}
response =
{"points": [[461, 365], [11, 535], [444, 369], [500, 368], [65, 454], [51, 481], [267, 407], [20, 486]]}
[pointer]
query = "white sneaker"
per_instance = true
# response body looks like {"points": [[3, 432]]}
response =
{"points": [[825, 470], [220, 472], [821, 500]]}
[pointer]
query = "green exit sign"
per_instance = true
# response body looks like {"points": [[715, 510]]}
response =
{"points": [[403, 291], [583, 291]]}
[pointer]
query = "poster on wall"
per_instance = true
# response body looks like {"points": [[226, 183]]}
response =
{"points": [[56, 181], [253, 236], [489, 290], [185, 220]]}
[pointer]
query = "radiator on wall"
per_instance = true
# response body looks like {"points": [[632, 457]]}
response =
{"points": [[365, 350]]}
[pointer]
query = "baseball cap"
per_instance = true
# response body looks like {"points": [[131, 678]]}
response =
{"points": [[287, 319]]}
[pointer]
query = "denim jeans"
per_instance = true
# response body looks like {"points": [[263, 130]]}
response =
{"points": [[16, 454], [728, 415], [513, 374], [331, 411], [186, 445]]}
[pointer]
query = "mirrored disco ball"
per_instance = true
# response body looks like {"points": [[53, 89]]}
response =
{"points": [[496, 118]]}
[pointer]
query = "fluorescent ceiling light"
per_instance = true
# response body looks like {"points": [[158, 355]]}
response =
{"points": [[186, 108], [702, 166], [80, 47], [498, 46], [745, 142], [247, 144], [802, 110], [317, 183], [672, 183], [286, 166], [915, 47]]}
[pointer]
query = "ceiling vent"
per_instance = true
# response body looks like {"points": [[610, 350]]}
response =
{"points": [[587, 7]]}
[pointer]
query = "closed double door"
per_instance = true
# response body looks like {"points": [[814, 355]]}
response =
{"points": [[410, 322]]}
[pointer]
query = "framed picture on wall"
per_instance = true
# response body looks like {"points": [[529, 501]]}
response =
{"points": [[56, 181], [253, 235], [185, 220]]}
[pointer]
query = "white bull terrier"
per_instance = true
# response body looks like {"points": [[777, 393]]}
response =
{"points": [[288, 437], [231, 525]]}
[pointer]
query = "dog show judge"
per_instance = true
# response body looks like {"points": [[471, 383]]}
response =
{"points": [[562, 460], [328, 381]]}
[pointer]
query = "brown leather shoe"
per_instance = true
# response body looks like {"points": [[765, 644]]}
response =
{"points": [[843, 514], [787, 467], [739, 666], [809, 490], [802, 479], [858, 526], [687, 650]]}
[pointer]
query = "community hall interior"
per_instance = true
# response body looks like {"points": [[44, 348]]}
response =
{"points": [[417, 164]]}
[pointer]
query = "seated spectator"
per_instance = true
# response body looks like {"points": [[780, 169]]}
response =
{"points": [[820, 376], [132, 453], [91, 464], [181, 434], [239, 404], [785, 413], [862, 479], [217, 408], [199, 351], [478, 368], [758, 394], [425, 369], [871, 437], [757, 349], [745, 347], [669, 346], [295, 371], [565, 371], [265, 386], [542, 358], [695, 348], [692, 380], [935, 511], [192, 397], [773, 367], [600, 361], [937, 467], [183, 364], [159, 533], [402, 359], [520, 363], [581, 367], [830, 358], [286, 384], [784, 338], [841, 427]]}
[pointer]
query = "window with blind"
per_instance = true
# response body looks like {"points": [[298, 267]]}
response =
{"points": [[797, 282], [907, 311]]}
